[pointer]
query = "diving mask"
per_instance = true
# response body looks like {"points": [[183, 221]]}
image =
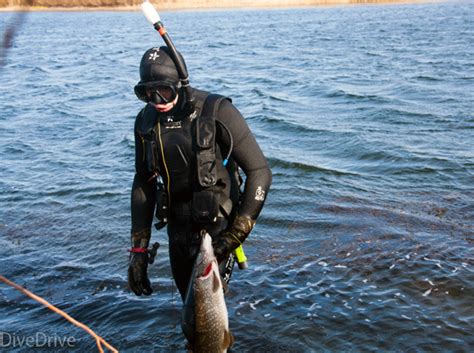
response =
{"points": [[162, 94]]}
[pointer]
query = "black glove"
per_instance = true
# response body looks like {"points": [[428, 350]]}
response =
{"points": [[140, 257], [137, 274], [232, 237]]}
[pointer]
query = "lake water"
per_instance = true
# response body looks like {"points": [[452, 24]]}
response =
{"points": [[366, 115]]}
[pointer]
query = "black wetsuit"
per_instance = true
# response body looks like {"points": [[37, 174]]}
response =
{"points": [[182, 230]]}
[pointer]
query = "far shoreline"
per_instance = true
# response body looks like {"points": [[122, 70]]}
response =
{"points": [[210, 6]]}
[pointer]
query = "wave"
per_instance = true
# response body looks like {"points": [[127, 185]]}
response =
{"points": [[398, 115], [427, 78], [288, 125], [289, 165], [19, 147], [274, 97], [341, 93]]}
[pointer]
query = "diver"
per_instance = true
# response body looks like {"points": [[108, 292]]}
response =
{"points": [[188, 153]]}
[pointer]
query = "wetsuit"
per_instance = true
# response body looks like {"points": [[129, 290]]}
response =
{"points": [[180, 166]]}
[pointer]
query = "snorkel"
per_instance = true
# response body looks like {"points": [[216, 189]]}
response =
{"points": [[152, 16]]}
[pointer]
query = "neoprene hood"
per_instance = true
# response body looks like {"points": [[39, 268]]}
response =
{"points": [[156, 68]]}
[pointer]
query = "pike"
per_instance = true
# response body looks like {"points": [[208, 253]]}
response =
{"points": [[205, 320]]}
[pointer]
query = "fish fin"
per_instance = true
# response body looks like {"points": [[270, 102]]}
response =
{"points": [[228, 340], [215, 282]]}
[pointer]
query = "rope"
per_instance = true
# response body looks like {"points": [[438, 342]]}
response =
{"points": [[99, 340]]}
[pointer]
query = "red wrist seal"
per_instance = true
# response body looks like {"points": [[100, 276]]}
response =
{"points": [[139, 250]]}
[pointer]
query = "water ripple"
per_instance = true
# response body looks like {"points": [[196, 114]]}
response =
{"points": [[365, 115]]}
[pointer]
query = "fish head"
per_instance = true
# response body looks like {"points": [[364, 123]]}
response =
{"points": [[207, 266]]}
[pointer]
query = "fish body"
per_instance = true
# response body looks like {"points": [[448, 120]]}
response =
{"points": [[206, 297]]}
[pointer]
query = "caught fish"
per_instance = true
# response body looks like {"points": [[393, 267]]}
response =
{"points": [[205, 321]]}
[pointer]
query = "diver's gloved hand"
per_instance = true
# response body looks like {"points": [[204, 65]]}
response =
{"points": [[232, 237], [140, 257], [137, 274]]}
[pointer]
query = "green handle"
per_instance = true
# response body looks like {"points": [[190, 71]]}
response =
{"points": [[241, 258]]}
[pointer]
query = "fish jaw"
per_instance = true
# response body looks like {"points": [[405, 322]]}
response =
{"points": [[205, 256]]}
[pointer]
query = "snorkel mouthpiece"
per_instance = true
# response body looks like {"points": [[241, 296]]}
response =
{"points": [[152, 16]]}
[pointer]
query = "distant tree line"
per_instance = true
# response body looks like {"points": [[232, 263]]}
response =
{"points": [[180, 3], [70, 3]]}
